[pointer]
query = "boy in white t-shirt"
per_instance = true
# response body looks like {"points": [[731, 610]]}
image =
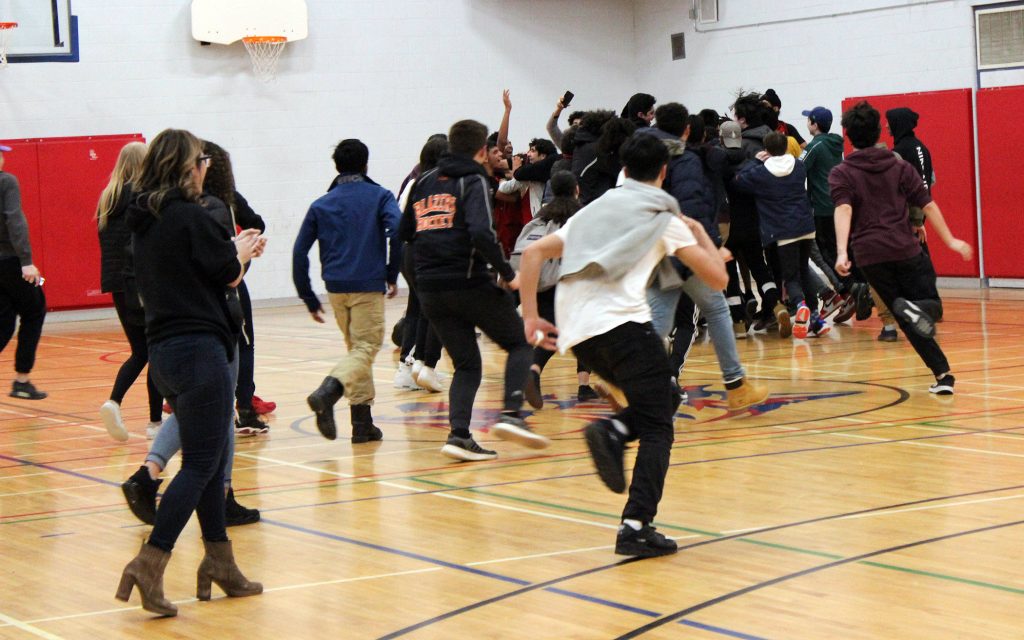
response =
{"points": [[610, 249]]}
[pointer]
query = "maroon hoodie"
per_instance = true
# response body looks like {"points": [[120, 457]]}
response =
{"points": [[879, 186]]}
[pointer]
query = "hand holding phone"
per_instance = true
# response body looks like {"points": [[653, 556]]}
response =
{"points": [[567, 98]]}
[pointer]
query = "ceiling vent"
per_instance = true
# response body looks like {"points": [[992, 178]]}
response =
{"points": [[707, 11]]}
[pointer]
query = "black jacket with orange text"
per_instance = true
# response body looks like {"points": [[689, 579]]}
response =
{"points": [[449, 220]]}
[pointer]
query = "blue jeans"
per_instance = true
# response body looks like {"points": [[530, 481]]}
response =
{"points": [[168, 439], [192, 372], [714, 307]]}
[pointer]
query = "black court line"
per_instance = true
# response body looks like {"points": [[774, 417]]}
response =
{"points": [[799, 574], [745, 534]]}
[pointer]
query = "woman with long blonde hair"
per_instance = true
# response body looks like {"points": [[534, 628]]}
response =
{"points": [[184, 264], [115, 263]]}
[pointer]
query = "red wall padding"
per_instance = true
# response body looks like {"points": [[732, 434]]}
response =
{"points": [[61, 180], [1002, 189], [946, 128]]}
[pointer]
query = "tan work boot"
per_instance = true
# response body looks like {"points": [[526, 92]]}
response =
{"points": [[746, 395]]}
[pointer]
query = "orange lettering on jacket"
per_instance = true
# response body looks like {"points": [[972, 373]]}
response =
{"points": [[435, 212]]}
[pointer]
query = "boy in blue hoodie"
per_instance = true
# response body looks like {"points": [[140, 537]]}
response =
{"points": [[355, 224], [787, 227]]}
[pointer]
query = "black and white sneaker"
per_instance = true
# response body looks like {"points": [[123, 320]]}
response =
{"points": [[646, 543], [606, 446], [943, 386], [920, 322], [466, 449], [516, 430], [26, 391]]}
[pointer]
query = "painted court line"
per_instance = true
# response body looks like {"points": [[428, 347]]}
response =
{"points": [[28, 628]]}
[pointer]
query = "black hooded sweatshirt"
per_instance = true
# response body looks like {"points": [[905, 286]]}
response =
{"points": [[902, 122], [184, 261], [450, 221]]}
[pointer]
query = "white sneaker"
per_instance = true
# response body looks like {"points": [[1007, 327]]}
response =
{"points": [[110, 414], [429, 380], [417, 366], [404, 379], [152, 429]]}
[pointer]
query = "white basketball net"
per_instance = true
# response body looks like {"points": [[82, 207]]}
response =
{"points": [[5, 35], [264, 51]]}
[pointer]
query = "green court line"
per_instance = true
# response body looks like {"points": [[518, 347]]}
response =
{"points": [[762, 543]]}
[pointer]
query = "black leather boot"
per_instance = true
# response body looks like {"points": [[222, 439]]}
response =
{"points": [[363, 429], [322, 403]]}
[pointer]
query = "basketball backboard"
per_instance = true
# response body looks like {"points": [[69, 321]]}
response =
{"points": [[47, 32], [227, 21]]}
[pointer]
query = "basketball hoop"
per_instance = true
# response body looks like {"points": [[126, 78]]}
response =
{"points": [[6, 28], [264, 51]]}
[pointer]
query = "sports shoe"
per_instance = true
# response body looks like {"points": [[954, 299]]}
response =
{"points": [[606, 446], [750, 310], [888, 335], [864, 302], [803, 317], [943, 386], [235, 514], [765, 324], [26, 391], [532, 391], [428, 379], [152, 429], [746, 395], [586, 393], [831, 303], [263, 407], [110, 414], [404, 379], [920, 322], [817, 327], [140, 492], [516, 430], [785, 323], [249, 424], [167, 408], [466, 449], [848, 309], [417, 366], [645, 543], [739, 330]]}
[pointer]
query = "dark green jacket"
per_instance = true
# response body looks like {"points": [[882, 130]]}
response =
{"points": [[820, 156]]}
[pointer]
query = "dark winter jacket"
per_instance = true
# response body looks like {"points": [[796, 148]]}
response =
{"points": [[183, 262], [356, 226], [820, 156], [744, 226], [879, 186], [597, 172], [753, 139], [449, 219], [114, 239], [782, 204]]}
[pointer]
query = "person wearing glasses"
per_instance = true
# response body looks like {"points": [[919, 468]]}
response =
{"points": [[185, 263], [21, 287]]}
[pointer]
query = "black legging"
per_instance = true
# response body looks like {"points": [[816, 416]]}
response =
{"points": [[19, 299], [132, 367]]}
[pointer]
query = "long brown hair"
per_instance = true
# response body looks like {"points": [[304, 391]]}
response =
{"points": [[220, 179], [126, 171], [172, 156]]}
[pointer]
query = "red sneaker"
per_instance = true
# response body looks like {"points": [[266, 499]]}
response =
{"points": [[803, 316], [262, 407], [167, 408]]}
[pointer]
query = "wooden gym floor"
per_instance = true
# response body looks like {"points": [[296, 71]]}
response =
{"points": [[852, 504]]}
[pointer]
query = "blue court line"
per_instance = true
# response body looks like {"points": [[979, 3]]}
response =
{"points": [[720, 630]]}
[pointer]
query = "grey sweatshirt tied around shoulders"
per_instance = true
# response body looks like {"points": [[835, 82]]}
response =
{"points": [[609, 236]]}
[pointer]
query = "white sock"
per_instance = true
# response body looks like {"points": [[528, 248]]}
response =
{"points": [[621, 428], [889, 327], [635, 525]]}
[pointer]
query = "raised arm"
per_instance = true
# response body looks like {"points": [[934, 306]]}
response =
{"points": [[552, 127], [503, 129]]}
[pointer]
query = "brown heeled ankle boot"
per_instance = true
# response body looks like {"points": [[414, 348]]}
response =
{"points": [[146, 571], [219, 566]]}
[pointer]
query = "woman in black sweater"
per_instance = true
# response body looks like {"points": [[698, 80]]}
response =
{"points": [[114, 238], [184, 263]]}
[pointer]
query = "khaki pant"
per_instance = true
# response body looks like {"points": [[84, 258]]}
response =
{"points": [[360, 317], [883, 311]]}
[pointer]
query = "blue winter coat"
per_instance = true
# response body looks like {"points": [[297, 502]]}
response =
{"points": [[780, 188]]}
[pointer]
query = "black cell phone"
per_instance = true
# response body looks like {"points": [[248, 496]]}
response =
{"points": [[567, 98]]}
